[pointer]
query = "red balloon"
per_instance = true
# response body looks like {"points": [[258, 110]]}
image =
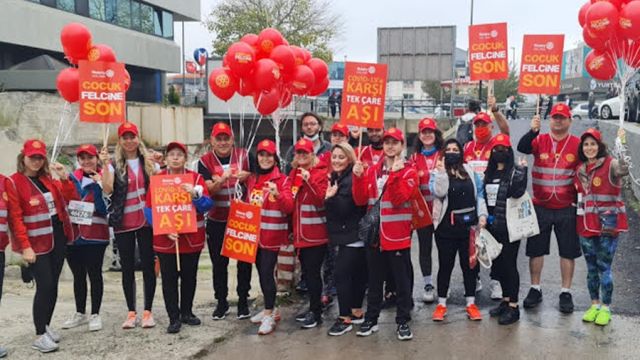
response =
{"points": [[266, 102], [268, 39], [320, 68], [222, 83], [241, 58], [633, 55], [602, 19], [76, 41], [600, 65], [127, 80], [251, 39], [583, 13], [629, 22], [286, 97], [68, 84], [298, 53], [266, 74], [246, 87], [592, 41], [284, 57], [303, 80], [320, 87], [101, 52], [307, 55]]}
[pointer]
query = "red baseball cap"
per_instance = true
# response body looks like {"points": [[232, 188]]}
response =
{"points": [[593, 133], [427, 123], [394, 133], [33, 147], [127, 128], [341, 128], [87, 149], [501, 139], [221, 128], [482, 116], [267, 146], [304, 145], [561, 109], [176, 144]]}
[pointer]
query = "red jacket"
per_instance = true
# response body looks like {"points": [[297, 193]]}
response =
{"points": [[395, 206], [99, 228], [222, 198], [370, 156], [309, 221], [11, 216], [424, 165], [274, 226], [35, 213], [553, 171]]}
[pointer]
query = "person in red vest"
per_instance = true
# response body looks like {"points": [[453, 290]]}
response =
{"points": [[428, 145], [222, 168], [554, 195], [601, 218], [43, 202], [372, 153], [189, 245], [391, 181], [86, 254], [339, 134], [308, 181], [127, 183], [268, 189]]}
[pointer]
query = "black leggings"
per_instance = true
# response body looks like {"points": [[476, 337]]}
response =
{"points": [[505, 269], [266, 264], [447, 250], [127, 248], [46, 273], [311, 259], [425, 240], [87, 260], [188, 280], [1, 272], [215, 237], [351, 278]]}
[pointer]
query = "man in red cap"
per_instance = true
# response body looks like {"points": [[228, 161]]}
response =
{"points": [[222, 168], [554, 196]]}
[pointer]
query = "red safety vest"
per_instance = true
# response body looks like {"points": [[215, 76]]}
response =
{"points": [[477, 155], [99, 228], [309, 221], [133, 217], [4, 216], [424, 165], [604, 195], [370, 156], [222, 198], [553, 171]]}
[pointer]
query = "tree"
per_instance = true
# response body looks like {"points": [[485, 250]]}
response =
{"points": [[506, 87], [434, 89], [307, 23]]}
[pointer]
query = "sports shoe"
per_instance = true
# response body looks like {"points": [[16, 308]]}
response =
{"points": [[509, 316], [243, 310], [311, 320], [496, 290], [566, 303], [439, 313], [147, 320], [604, 317], [367, 328], [340, 327], [429, 295], [44, 344], [190, 320], [75, 320], [221, 311], [499, 310], [404, 332], [257, 318], [3, 352], [95, 322], [478, 285], [473, 313], [591, 314], [267, 325], [174, 327], [131, 322], [53, 335], [300, 317], [357, 320], [534, 297]]}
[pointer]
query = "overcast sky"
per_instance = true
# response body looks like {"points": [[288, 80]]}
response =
{"points": [[363, 17]]}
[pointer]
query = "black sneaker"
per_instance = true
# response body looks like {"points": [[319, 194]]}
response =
{"points": [[509, 316], [566, 303], [174, 327], [191, 320], [243, 310], [340, 327], [311, 320], [357, 320], [499, 310], [221, 311], [302, 316], [404, 332], [534, 297], [389, 301], [367, 328]]}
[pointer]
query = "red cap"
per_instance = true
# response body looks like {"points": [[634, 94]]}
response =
{"points": [[592, 132], [127, 128], [501, 139], [34, 147], [341, 128], [268, 146], [394, 133], [87, 149], [179, 145], [427, 123], [561, 109], [221, 128], [482, 116], [304, 145]]}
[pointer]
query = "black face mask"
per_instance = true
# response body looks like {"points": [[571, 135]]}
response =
{"points": [[500, 156], [451, 159]]}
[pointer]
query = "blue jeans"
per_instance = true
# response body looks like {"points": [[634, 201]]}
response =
{"points": [[598, 252]]}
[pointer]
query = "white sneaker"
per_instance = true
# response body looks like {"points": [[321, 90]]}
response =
{"points": [[496, 290], [267, 326], [429, 294], [53, 335], [478, 285], [95, 323], [44, 344], [75, 320], [257, 318]]}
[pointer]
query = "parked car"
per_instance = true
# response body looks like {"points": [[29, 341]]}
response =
{"points": [[581, 111], [610, 108]]}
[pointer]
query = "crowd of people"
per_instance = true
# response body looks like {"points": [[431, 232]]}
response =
{"points": [[348, 210]]}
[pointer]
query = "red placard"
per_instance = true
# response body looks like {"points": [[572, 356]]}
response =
{"points": [[541, 65], [365, 86], [242, 233], [102, 92], [488, 52], [171, 206]]}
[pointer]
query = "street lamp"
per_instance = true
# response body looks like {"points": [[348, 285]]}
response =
{"points": [[513, 57]]}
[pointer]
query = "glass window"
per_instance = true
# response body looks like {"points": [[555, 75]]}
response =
{"points": [[167, 25], [97, 9], [135, 15], [157, 24], [110, 11], [146, 18], [67, 5], [124, 13]]}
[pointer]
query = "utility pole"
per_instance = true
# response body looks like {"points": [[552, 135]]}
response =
{"points": [[480, 82], [183, 64]]}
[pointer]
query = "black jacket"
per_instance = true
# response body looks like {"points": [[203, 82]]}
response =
{"points": [[342, 213], [512, 185], [119, 196]]}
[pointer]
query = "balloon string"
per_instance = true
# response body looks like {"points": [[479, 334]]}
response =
{"points": [[66, 133], [60, 130]]}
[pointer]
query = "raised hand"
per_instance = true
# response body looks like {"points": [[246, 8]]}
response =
{"points": [[358, 169], [332, 190], [398, 164], [59, 170], [522, 161], [535, 123], [272, 188]]}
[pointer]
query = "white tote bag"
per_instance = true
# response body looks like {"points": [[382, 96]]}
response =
{"points": [[522, 221], [487, 248]]}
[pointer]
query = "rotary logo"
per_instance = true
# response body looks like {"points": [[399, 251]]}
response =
{"points": [[243, 57], [499, 137], [596, 63], [94, 54], [109, 73], [544, 156], [570, 157], [84, 147], [34, 202], [222, 126], [372, 69], [392, 131], [249, 215], [276, 73], [600, 24], [625, 23], [550, 45], [494, 33], [177, 180], [299, 85], [302, 142], [127, 126], [36, 145], [597, 181], [266, 45], [223, 81], [265, 143]]}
